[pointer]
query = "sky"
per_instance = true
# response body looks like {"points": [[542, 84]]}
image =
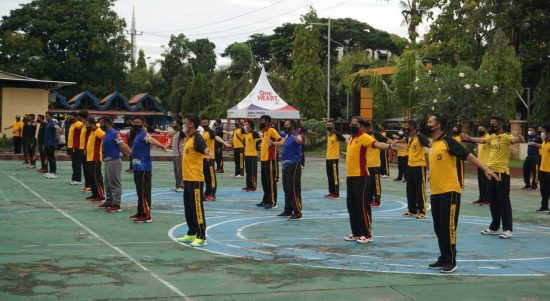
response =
{"points": [[227, 21]]}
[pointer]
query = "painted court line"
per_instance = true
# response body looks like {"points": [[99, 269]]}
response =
{"points": [[120, 251]]}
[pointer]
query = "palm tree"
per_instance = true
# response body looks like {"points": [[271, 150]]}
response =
{"points": [[414, 11]]}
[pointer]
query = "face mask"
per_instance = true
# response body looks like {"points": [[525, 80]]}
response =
{"points": [[89, 129], [262, 125], [18, 119], [407, 131], [494, 128], [354, 130], [543, 135], [456, 133], [481, 133], [205, 127], [237, 126], [136, 127], [531, 133], [330, 129], [103, 128], [428, 129], [288, 130]]}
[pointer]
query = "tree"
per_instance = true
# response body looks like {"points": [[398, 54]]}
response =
{"points": [[307, 91], [414, 11], [241, 59], [198, 95], [541, 113], [81, 41]]}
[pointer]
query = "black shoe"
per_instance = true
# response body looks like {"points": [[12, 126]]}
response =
{"points": [[448, 268], [295, 217], [262, 204], [541, 210], [436, 265], [534, 187], [270, 206], [285, 214], [397, 179], [526, 187]]}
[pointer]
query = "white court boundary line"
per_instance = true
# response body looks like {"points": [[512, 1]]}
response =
{"points": [[118, 250]]}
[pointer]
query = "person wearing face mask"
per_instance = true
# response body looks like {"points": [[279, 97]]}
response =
{"points": [[530, 164], [333, 155], [292, 171], [50, 139], [446, 190], [402, 156], [86, 166], [483, 153], [384, 162], [251, 157], [94, 156], [238, 149], [112, 146], [270, 140], [357, 181], [499, 191], [73, 143], [416, 171], [209, 172], [459, 163], [218, 157], [131, 137], [16, 128], [177, 147], [42, 143], [544, 168]]}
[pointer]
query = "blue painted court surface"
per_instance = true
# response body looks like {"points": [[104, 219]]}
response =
{"points": [[237, 228]]}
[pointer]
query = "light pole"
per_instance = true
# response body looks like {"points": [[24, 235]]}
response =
{"points": [[328, 62]]}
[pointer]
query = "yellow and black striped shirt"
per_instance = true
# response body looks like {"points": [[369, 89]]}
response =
{"points": [[443, 171], [193, 152], [417, 155]]}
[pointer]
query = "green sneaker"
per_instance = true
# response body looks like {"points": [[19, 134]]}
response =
{"points": [[199, 243], [187, 238]]}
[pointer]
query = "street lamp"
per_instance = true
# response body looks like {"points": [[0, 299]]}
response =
{"points": [[328, 61]]}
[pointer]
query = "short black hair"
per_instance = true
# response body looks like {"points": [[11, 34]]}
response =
{"points": [[266, 118], [90, 120], [292, 123], [205, 118], [365, 123], [106, 119], [251, 124], [72, 113], [193, 118], [499, 119], [139, 117], [412, 123], [359, 119], [41, 116], [83, 114], [442, 120]]}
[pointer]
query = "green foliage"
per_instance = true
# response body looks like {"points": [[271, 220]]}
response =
{"points": [[5, 141], [319, 133], [404, 81], [541, 111], [307, 75], [73, 40], [198, 94], [241, 59]]}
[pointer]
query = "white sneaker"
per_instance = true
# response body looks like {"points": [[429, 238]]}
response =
{"points": [[179, 189], [75, 183], [174, 189], [239, 176], [490, 232], [506, 234], [384, 176], [47, 175], [52, 176], [364, 239], [69, 181], [351, 237]]}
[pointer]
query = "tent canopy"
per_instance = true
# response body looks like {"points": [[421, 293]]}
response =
{"points": [[263, 100]]}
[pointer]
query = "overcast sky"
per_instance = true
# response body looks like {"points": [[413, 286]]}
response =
{"points": [[228, 21]]}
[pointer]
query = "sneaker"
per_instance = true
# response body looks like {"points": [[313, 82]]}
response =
{"points": [[179, 189], [209, 198], [448, 268], [506, 234], [384, 176], [436, 265], [421, 216], [104, 205], [143, 219], [187, 238], [397, 179], [113, 208], [52, 176], [490, 232], [364, 239], [526, 187], [219, 170], [408, 213], [244, 189], [269, 206], [47, 175], [262, 204], [295, 217], [250, 189], [130, 170], [34, 166], [328, 195], [134, 216], [197, 243], [484, 203], [285, 214], [334, 197], [541, 210], [173, 189], [239, 176], [41, 171], [375, 204], [351, 237], [68, 181], [75, 183], [478, 202]]}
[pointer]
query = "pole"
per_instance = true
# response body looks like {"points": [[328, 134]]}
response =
{"points": [[347, 105], [328, 71]]}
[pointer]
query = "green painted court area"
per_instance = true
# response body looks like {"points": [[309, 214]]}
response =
{"points": [[57, 246]]}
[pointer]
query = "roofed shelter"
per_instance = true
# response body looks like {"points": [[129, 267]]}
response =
{"points": [[21, 95]]}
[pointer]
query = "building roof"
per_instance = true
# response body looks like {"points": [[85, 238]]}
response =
{"points": [[10, 80]]}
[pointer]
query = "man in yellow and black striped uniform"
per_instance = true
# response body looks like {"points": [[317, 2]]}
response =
{"points": [[459, 163], [251, 157], [402, 157], [210, 139], [483, 153], [94, 156], [357, 181], [333, 154], [416, 172], [445, 187], [374, 164], [84, 136], [194, 150], [73, 143], [270, 140], [499, 190], [238, 149], [384, 161]]}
